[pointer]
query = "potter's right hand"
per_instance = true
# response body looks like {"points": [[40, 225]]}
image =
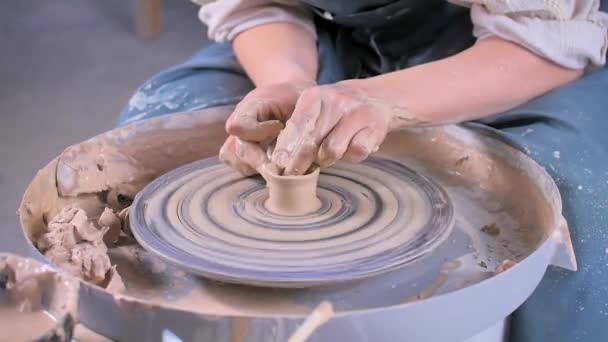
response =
{"points": [[256, 120]]}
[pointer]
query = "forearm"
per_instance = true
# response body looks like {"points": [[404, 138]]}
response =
{"points": [[488, 78], [277, 53]]}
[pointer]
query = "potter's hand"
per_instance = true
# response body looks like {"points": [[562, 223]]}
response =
{"points": [[329, 123], [256, 120], [244, 156], [261, 115]]}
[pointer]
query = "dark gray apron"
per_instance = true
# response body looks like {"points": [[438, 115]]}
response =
{"points": [[374, 37]]}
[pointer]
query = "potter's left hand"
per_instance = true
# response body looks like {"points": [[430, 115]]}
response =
{"points": [[330, 123], [257, 119], [244, 156]]}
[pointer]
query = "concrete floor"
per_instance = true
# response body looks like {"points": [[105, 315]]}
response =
{"points": [[66, 70]]}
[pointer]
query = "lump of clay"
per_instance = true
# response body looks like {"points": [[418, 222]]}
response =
{"points": [[62, 234], [22, 284], [75, 243], [110, 220], [37, 303], [91, 260], [115, 283], [124, 218], [85, 229], [505, 265]]}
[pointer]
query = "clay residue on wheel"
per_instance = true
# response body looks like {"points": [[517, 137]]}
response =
{"points": [[76, 243], [76, 207], [35, 300], [108, 170]]}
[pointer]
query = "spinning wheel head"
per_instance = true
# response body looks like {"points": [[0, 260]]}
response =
{"points": [[372, 218]]}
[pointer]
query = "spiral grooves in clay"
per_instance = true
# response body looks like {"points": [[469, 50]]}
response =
{"points": [[374, 217]]}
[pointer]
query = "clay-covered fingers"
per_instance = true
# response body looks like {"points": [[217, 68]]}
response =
{"points": [[261, 115], [297, 145], [253, 154], [329, 123], [255, 119], [364, 143], [353, 138], [243, 156], [228, 156]]}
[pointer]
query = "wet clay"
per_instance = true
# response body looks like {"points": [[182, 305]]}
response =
{"points": [[35, 300], [368, 218], [321, 314], [155, 281], [23, 326], [110, 169], [76, 243], [505, 265], [444, 272], [291, 195], [112, 224]]}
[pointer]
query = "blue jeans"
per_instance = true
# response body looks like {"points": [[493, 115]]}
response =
{"points": [[566, 131]]}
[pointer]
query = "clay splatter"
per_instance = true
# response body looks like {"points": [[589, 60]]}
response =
{"points": [[491, 229], [505, 265]]}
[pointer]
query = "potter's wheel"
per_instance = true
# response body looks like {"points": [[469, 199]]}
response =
{"points": [[506, 207], [374, 217]]}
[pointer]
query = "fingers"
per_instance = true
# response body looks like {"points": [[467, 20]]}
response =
{"points": [[316, 113], [228, 154], [297, 145], [251, 154], [254, 120], [335, 145], [364, 143], [246, 157], [261, 114], [328, 125]]}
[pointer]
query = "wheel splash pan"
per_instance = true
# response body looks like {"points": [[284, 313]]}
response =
{"points": [[506, 207]]}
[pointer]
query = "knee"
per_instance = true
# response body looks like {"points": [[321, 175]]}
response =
{"points": [[211, 77], [150, 101]]}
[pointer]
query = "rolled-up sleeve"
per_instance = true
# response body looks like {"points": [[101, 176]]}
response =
{"points": [[570, 33], [227, 18]]}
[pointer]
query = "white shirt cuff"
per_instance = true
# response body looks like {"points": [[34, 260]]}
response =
{"points": [[227, 18], [574, 37]]}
